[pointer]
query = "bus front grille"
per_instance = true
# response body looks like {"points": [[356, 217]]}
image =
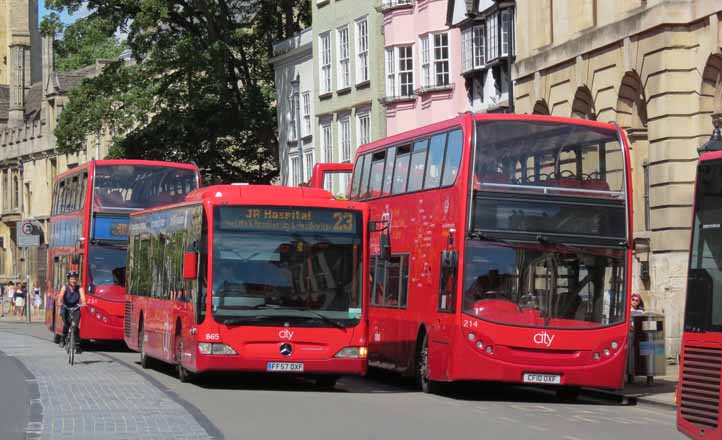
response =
{"points": [[126, 321], [700, 392]]}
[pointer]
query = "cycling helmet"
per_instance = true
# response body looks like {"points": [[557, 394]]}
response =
{"points": [[71, 273]]}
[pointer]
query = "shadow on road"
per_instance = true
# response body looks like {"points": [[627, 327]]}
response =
{"points": [[380, 382]]}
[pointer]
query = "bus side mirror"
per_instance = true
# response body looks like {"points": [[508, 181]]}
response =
{"points": [[449, 259], [190, 265]]}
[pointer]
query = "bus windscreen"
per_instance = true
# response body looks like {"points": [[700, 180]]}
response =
{"points": [[276, 265], [135, 187], [531, 285], [703, 310]]}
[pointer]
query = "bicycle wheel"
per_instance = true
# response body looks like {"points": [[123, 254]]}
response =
{"points": [[71, 346]]}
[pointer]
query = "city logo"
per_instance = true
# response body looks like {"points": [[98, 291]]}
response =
{"points": [[285, 334], [544, 338], [286, 349]]}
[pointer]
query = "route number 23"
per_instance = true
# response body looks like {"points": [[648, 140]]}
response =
{"points": [[344, 221]]}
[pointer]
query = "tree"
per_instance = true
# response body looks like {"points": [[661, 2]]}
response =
{"points": [[200, 89], [83, 42]]}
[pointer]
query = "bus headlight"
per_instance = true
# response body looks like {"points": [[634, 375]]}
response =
{"points": [[353, 353], [223, 349], [211, 348]]}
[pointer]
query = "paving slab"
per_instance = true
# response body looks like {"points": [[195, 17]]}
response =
{"points": [[97, 398]]}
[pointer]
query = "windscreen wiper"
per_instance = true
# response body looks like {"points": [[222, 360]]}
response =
{"points": [[546, 240], [326, 319], [478, 234], [316, 315]]}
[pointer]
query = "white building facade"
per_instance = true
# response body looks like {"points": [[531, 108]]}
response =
{"points": [[295, 94]]}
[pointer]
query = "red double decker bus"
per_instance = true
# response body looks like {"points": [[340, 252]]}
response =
{"points": [[698, 403], [507, 251], [250, 278], [89, 233]]}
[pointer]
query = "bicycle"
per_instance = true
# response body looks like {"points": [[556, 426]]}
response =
{"points": [[70, 341]]}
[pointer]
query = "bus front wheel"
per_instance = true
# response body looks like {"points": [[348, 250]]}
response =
{"points": [[183, 374], [145, 361], [422, 369]]}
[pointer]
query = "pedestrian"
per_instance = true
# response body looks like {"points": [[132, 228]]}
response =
{"points": [[20, 296], [637, 303], [37, 299], [11, 298]]}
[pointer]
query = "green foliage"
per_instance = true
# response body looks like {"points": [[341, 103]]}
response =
{"points": [[201, 88], [83, 42]]}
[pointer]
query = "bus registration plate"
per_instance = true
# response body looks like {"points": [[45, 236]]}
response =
{"points": [[294, 367], [542, 378]]}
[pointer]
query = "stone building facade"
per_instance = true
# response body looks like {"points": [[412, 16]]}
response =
{"points": [[655, 68], [295, 103], [32, 96], [348, 50]]}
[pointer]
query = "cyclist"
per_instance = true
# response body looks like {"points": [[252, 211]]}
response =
{"points": [[71, 296]]}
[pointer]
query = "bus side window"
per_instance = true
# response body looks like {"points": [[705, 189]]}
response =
{"points": [[397, 275], [435, 161], [60, 198], [377, 298], [363, 192], [418, 165], [54, 206], [389, 171], [83, 189], [377, 173], [76, 193], [454, 147], [356, 183], [401, 169]]}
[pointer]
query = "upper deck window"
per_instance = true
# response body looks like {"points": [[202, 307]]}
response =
{"points": [[132, 187], [69, 193], [574, 160], [425, 163]]}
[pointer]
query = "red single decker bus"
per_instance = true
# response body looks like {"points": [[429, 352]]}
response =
{"points": [[506, 254], [250, 278], [89, 233], [698, 407]]}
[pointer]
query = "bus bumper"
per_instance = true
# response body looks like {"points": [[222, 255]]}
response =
{"points": [[237, 363], [100, 326], [605, 373]]}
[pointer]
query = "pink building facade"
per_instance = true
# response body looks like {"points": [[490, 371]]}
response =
{"points": [[422, 65]]}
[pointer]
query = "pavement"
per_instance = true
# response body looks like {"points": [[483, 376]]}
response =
{"points": [[97, 398], [108, 395], [660, 392]]}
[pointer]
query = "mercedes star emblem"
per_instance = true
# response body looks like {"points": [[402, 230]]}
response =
{"points": [[286, 349]]}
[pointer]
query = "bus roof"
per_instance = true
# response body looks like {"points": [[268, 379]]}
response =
{"points": [[459, 120], [110, 162], [270, 195]]}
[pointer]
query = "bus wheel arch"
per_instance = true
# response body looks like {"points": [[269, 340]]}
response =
{"points": [[421, 363], [183, 374], [144, 359]]}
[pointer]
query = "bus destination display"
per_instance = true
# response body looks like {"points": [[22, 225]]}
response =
{"points": [[274, 218]]}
